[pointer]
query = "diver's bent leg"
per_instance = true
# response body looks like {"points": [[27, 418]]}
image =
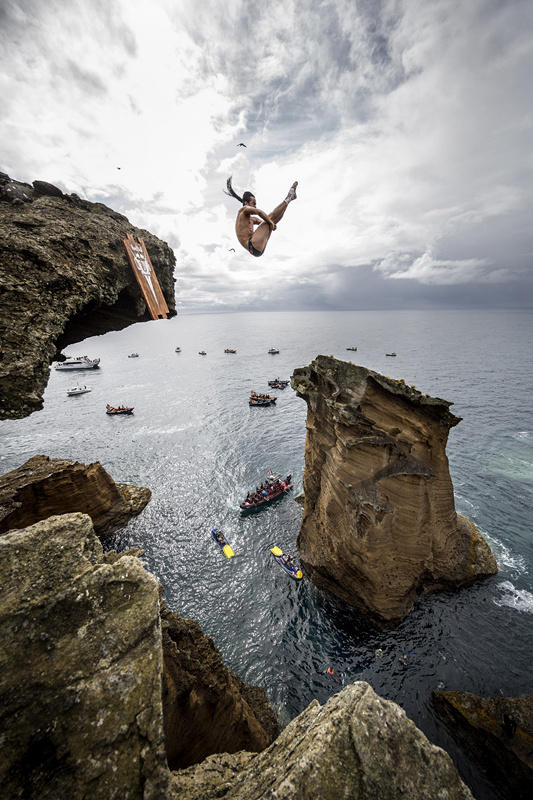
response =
{"points": [[261, 236], [279, 211]]}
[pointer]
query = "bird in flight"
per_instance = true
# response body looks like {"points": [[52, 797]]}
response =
{"points": [[231, 249], [241, 144], [119, 167]]}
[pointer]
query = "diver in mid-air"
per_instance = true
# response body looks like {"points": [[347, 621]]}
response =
{"points": [[249, 216]]}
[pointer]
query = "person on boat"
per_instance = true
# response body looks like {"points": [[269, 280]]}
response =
{"points": [[249, 216], [289, 560], [220, 537]]}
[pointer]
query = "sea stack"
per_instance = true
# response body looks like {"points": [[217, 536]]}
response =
{"points": [[379, 524]]}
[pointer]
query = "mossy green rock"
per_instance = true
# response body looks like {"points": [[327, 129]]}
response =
{"points": [[80, 667], [357, 746]]}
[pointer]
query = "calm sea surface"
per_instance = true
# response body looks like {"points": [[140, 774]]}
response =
{"points": [[198, 445]]}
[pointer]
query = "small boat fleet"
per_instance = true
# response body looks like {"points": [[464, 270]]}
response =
{"points": [[275, 486], [78, 390], [261, 399], [277, 383], [285, 560], [78, 362], [111, 410]]}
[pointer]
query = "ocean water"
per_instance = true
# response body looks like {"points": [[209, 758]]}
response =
{"points": [[198, 445]]}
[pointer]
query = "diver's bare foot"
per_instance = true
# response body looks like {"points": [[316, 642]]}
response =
{"points": [[292, 193]]}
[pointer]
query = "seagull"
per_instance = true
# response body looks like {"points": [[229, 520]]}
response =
{"points": [[241, 144], [231, 248]]}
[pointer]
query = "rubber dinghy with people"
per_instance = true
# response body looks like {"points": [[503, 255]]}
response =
{"points": [[222, 542], [118, 409], [287, 562], [269, 490], [261, 399]]}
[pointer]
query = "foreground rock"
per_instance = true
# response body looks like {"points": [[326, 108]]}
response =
{"points": [[45, 486], [207, 708], [356, 746], [80, 668], [64, 276], [379, 523], [477, 723]]}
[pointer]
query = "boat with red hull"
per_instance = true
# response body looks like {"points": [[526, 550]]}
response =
{"points": [[275, 487]]}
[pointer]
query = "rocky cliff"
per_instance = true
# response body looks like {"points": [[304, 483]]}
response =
{"points": [[43, 487], [64, 276], [379, 523], [357, 746], [477, 724], [80, 668], [82, 665], [206, 707]]}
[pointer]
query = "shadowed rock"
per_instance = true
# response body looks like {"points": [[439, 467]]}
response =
{"points": [[80, 668], [64, 276], [45, 486], [356, 746], [477, 724], [379, 523], [207, 708]]}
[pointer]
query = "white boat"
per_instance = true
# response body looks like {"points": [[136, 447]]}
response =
{"points": [[79, 362], [133, 355], [273, 351], [78, 390]]}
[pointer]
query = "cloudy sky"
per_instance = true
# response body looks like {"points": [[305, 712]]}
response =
{"points": [[408, 124]]}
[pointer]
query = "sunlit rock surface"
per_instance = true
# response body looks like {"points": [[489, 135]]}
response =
{"points": [[80, 668], [45, 486], [477, 723], [357, 746], [64, 276], [379, 523]]}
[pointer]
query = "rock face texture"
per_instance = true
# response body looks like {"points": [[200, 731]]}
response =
{"points": [[64, 276], [80, 668], [379, 523], [477, 723], [44, 486], [357, 746], [207, 708]]}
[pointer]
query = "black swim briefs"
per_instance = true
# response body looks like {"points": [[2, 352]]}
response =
{"points": [[252, 250]]}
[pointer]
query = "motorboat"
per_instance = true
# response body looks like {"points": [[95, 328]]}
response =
{"points": [[78, 362], [261, 399], [229, 350], [351, 348], [133, 355], [177, 350], [78, 390], [273, 488], [202, 353], [390, 354], [118, 409], [273, 351], [277, 383]]}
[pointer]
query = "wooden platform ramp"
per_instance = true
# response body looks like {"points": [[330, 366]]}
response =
{"points": [[146, 277]]}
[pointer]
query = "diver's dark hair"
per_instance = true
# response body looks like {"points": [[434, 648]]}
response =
{"points": [[232, 193]]}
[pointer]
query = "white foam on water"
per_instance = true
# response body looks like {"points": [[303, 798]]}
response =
{"points": [[504, 557], [521, 435], [519, 599]]}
